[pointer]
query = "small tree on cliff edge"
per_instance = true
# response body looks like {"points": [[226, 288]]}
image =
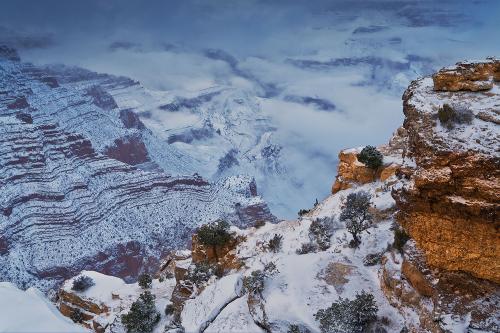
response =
{"points": [[371, 157], [355, 214], [214, 234]]}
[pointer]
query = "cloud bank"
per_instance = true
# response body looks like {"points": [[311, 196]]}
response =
{"points": [[329, 73]]}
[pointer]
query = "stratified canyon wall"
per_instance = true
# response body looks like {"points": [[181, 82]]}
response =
{"points": [[451, 203]]}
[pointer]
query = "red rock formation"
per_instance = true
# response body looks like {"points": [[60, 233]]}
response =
{"points": [[222, 255], [451, 206]]}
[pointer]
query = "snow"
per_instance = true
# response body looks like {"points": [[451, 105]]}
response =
{"points": [[104, 286], [200, 311], [455, 324], [234, 318], [480, 136], [29, 311], [305, 283]]}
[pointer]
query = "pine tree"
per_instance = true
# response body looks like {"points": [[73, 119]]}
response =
{"points": [[143, 315], [145, 281]]}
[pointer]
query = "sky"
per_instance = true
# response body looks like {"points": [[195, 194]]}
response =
{"points": [[329, 73]]}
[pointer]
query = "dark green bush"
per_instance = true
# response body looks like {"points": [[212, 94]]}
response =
{"points": [[348, 316], [320, 233], [255, 283], [200, 273], [371, 157], [215, 233], [303, 212], [372, 259], [82, 283], [143, 316], [145, 281], [169, 309], [449, 115], [76, 316], [307, 248]]}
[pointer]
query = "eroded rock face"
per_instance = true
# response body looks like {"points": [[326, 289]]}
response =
{"points": [[434, 294], [451, 206], [468, 76], [350, 170]]}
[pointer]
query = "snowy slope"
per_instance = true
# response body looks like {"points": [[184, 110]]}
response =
{"points": [[29, 311]]}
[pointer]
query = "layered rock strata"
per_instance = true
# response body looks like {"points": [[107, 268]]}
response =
{"points": [[75, 194], [451, 205]]}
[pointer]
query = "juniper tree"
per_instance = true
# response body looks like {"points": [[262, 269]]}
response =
{"points": [[145, 281], [320, 232], [256, 281], [214, 234], [275, 243], [450, 115], [356, 215], [76, 316], [82, 283], [143, 316], [307, 248], [348, 316], [200, 273], [371, 157]]}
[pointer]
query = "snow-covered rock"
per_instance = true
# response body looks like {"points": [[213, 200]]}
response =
{"points": [[198, 313], [113, 297]]}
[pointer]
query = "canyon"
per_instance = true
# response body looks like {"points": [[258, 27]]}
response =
{"points": [[95, 199]]}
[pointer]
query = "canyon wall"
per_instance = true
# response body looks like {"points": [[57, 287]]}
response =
{"points": [[451, 203]]}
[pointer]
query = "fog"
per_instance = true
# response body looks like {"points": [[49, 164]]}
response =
{"points": [[329, 73]]}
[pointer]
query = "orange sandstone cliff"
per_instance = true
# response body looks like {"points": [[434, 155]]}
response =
{"points": [[451, 199], [451, 204]]}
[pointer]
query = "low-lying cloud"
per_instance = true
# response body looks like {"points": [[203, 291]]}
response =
{"points": [[329, 73]]}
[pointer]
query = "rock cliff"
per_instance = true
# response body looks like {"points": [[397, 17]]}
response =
{"points": [[451, 203], [351, 172]]}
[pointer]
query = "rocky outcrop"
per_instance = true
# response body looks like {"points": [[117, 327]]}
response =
{"points": [[351, 172], [70, 302], [468, 76], [223, 256], [451, 204], [435, 294]]}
